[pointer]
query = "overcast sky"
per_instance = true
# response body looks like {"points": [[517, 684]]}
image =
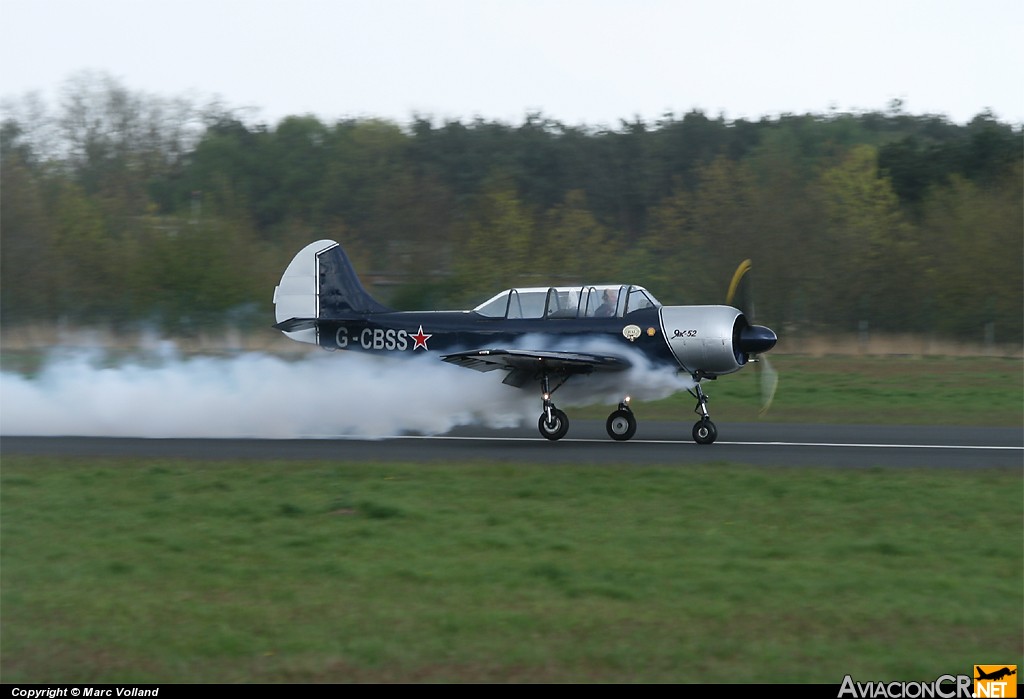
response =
{"points": [[588, 62]]}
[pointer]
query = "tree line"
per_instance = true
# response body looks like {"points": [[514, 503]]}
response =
{"points": [[120, 206]]}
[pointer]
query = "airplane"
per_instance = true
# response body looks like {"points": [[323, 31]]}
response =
{"points": [[996, 675], [533, 334]]}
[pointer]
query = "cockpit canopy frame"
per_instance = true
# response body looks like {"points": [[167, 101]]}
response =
{"points": [[590, 301]]}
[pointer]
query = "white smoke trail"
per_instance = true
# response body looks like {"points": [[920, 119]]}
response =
{"points": [[160, 393]]}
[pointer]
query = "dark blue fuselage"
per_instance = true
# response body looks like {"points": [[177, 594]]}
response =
{"points": [[442, 332]]}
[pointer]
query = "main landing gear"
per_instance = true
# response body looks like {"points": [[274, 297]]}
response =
{"points": [[553, 423], [621, 424]]}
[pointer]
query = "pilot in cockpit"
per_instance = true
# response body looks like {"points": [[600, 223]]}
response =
{"points": [[609, 300]]}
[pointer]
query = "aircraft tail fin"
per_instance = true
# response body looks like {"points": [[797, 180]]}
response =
{"points": [[319, 283], [341, 292]]}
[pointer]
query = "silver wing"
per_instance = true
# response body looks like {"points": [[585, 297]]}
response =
{"points": [[529, 365]]}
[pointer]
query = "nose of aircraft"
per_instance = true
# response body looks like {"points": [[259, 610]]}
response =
{"points": [[755, 339]]}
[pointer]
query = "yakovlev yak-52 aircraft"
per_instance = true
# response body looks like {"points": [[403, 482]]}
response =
{"points": [[321, 301]]}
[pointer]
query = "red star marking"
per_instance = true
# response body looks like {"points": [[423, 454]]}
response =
{"points": [[421, 339]]}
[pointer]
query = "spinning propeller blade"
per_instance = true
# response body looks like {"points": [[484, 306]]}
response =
{"points": [[769, 382], [769, 378], [734, 286]]}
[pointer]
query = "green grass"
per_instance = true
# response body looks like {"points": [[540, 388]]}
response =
{"points": [[169, 571], [974, 391]]}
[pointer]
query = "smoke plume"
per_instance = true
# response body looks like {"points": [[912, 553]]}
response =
{"points": [[161, 393]]}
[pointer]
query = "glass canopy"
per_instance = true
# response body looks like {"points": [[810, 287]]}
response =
{"points": [[605, 300]]}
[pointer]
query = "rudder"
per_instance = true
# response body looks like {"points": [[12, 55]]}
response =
{"points": [[319, 283], [341, 292]]}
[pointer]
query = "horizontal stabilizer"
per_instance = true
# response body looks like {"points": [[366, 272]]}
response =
{"points": [[295, 324]]}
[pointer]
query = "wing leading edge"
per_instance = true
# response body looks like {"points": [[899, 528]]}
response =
{"points": [[527, 365]]}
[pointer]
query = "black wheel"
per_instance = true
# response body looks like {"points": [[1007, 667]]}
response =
{"points": [[705, 432], [621, 425], [555, 429]]}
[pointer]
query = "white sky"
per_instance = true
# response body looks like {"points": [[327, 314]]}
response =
{"points": [[588, 62]]}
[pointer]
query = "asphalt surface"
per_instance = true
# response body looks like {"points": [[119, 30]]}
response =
{"points": [[655, 443]]}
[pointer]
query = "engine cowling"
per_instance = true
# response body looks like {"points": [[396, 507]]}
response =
{"points": [[713, 340]]}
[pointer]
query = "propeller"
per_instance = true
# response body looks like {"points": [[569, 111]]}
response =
{"points": [[754, 339]]}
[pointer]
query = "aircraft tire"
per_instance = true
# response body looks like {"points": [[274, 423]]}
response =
{"points": [[558, 427], [705, 432], [621, 425]]}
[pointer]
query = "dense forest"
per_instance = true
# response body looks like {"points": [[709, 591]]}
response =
{"points": [[120, 206]]}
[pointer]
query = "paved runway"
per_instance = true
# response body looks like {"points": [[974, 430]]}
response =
{"points": [[763, 444]]}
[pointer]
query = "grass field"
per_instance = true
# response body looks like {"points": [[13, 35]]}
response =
{"points": [[160, 571], [174, 571]]}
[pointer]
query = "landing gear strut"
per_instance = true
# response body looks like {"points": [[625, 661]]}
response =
{"points": [[621, 424], [553, 423], [704, 431]]}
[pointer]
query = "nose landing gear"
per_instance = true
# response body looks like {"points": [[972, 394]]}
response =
{"points": [[704, 431]]}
